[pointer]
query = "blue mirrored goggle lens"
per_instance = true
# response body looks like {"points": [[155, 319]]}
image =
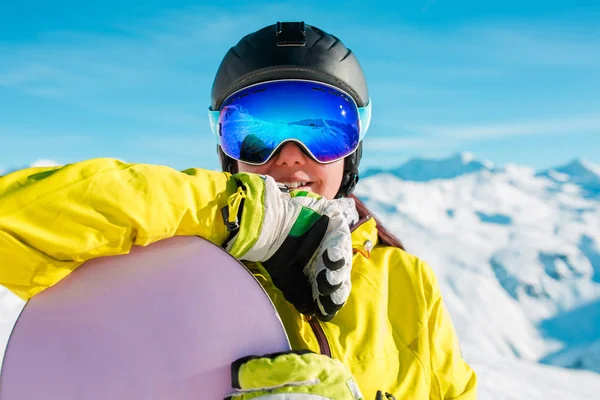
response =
{"points": [[256, 120]]}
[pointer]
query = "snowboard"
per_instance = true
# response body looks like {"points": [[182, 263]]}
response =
{"points": [[162, 322]]}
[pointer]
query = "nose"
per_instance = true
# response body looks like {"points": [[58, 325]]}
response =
{"points": [[290, 154]]}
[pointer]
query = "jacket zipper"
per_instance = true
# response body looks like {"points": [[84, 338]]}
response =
{"points": [[321, 338]]}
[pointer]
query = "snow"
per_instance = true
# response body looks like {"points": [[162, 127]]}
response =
{"points": [[517, 256], [579, 173], [509, 379]]}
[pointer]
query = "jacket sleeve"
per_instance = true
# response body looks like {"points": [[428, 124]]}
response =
{"points": [[451, 376], [52, 220]]}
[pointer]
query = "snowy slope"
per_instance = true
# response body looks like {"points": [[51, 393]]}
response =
{"points": [[510, 379], [517, 256], [517, 253]]}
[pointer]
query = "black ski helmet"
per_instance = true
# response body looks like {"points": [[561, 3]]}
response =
{"points": [[292, 50]]}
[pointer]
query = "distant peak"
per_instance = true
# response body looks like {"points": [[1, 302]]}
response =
{"points": [[585, 164], [427, 169], [579, 166], [466, 157], [578, 171], [575, 163]]}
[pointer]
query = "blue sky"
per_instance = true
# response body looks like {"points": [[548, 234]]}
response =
{"points": [[510, 81]]}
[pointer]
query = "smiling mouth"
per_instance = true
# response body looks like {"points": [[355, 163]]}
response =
{"points": [[297, 185]]}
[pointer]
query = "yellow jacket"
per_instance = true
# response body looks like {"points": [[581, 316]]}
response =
{"points": [[394, 333]]}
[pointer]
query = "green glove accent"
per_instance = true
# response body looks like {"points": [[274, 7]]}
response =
{"points": [[306, 219], [301, 375], [301, 239]]}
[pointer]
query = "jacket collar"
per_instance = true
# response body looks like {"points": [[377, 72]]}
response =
{"points": [[363, 232]]}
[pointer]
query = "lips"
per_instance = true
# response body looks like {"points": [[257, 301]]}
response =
{"points": [[295, 180], [307, 186], [295, 185]]}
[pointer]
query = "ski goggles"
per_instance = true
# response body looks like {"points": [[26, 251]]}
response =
{"points": [[254, 122]]}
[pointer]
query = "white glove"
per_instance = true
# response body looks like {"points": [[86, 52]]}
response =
{"points": [[304, 243]]}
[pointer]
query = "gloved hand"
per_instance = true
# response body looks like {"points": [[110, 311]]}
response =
{"points": [[301, 239], [295, 374]]}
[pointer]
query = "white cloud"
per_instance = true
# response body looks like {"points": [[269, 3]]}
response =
{"points": [[45, 163], [37, 163]]}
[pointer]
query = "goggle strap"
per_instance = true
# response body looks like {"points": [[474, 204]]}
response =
{"points": [[213, 118], [364, 115]]}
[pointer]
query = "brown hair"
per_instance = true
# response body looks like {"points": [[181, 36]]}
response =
{"points": [[385, 236]]}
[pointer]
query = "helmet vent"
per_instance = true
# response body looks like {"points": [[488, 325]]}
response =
{"points": [[290, 34]]}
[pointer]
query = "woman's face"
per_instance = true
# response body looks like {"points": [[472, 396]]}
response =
{"points": [[290, 165]]}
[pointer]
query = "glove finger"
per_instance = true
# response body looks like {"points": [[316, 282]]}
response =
{"points": [[338, 244], [326, 280], [326, 309], [333, 264], [331, 270], [324, 286], [341, 295], [328, 306]]}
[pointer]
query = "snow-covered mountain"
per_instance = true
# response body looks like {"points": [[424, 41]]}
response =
{"points": [[517, 252], [517, 256], [578, 172], [423, 170]]}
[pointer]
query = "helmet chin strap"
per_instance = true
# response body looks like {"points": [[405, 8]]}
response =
{"points": [[349, 179], [228, 164]]}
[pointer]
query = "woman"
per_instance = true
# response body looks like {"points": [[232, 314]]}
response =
{"points": [[290, 108]]}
